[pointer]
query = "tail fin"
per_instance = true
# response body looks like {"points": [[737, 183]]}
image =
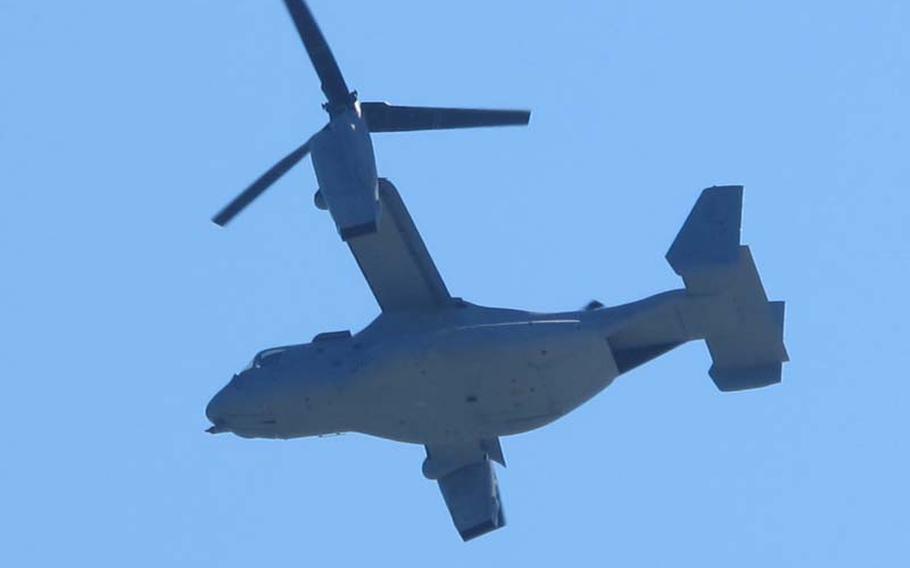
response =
{"points": [[743, 330], [383, 117]]}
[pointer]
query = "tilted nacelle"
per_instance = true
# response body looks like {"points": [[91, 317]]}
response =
{"points": [[346, 170]]}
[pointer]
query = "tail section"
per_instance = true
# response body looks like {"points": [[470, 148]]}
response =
{"points": [[729, 308], [710, 236]]}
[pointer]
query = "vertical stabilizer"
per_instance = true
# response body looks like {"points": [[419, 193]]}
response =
{"points": [[743, 330]]}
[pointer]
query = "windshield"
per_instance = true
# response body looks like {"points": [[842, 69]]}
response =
{"points": [[266, 357]]}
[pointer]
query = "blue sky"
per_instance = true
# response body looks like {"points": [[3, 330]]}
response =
{"points": [[124, 126]]}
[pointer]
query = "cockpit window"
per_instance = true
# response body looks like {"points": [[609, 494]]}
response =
{"points": [[266, 358], [269, 357]]}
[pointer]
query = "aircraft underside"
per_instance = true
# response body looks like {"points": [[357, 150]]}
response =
{"points": [[455, 377]]}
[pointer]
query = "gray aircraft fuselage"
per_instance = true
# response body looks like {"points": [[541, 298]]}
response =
{"points": [[453, 376], [462, 373]]}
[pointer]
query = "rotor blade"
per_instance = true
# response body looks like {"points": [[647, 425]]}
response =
{"points": [[257, 187], [383, 117], [333, 85]]}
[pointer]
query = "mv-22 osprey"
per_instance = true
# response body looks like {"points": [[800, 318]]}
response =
{"points": [[453, 376]]}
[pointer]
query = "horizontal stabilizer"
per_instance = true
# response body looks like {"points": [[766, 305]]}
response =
{"points": [[743, 330], [383, 117]]}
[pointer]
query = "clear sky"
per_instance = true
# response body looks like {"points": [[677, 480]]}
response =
{"points": [[125, 125]]}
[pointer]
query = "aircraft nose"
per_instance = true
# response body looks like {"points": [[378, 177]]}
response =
{"points": [[244, 405], [217, 410]]}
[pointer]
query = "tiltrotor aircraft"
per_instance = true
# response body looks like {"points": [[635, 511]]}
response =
{"points": [[436, 370]]}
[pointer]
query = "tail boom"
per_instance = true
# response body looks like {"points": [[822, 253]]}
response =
{"points": [[723, 303]]}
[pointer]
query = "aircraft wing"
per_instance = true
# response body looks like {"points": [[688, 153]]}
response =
{"points": [[468, 484], [395, 262]]}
